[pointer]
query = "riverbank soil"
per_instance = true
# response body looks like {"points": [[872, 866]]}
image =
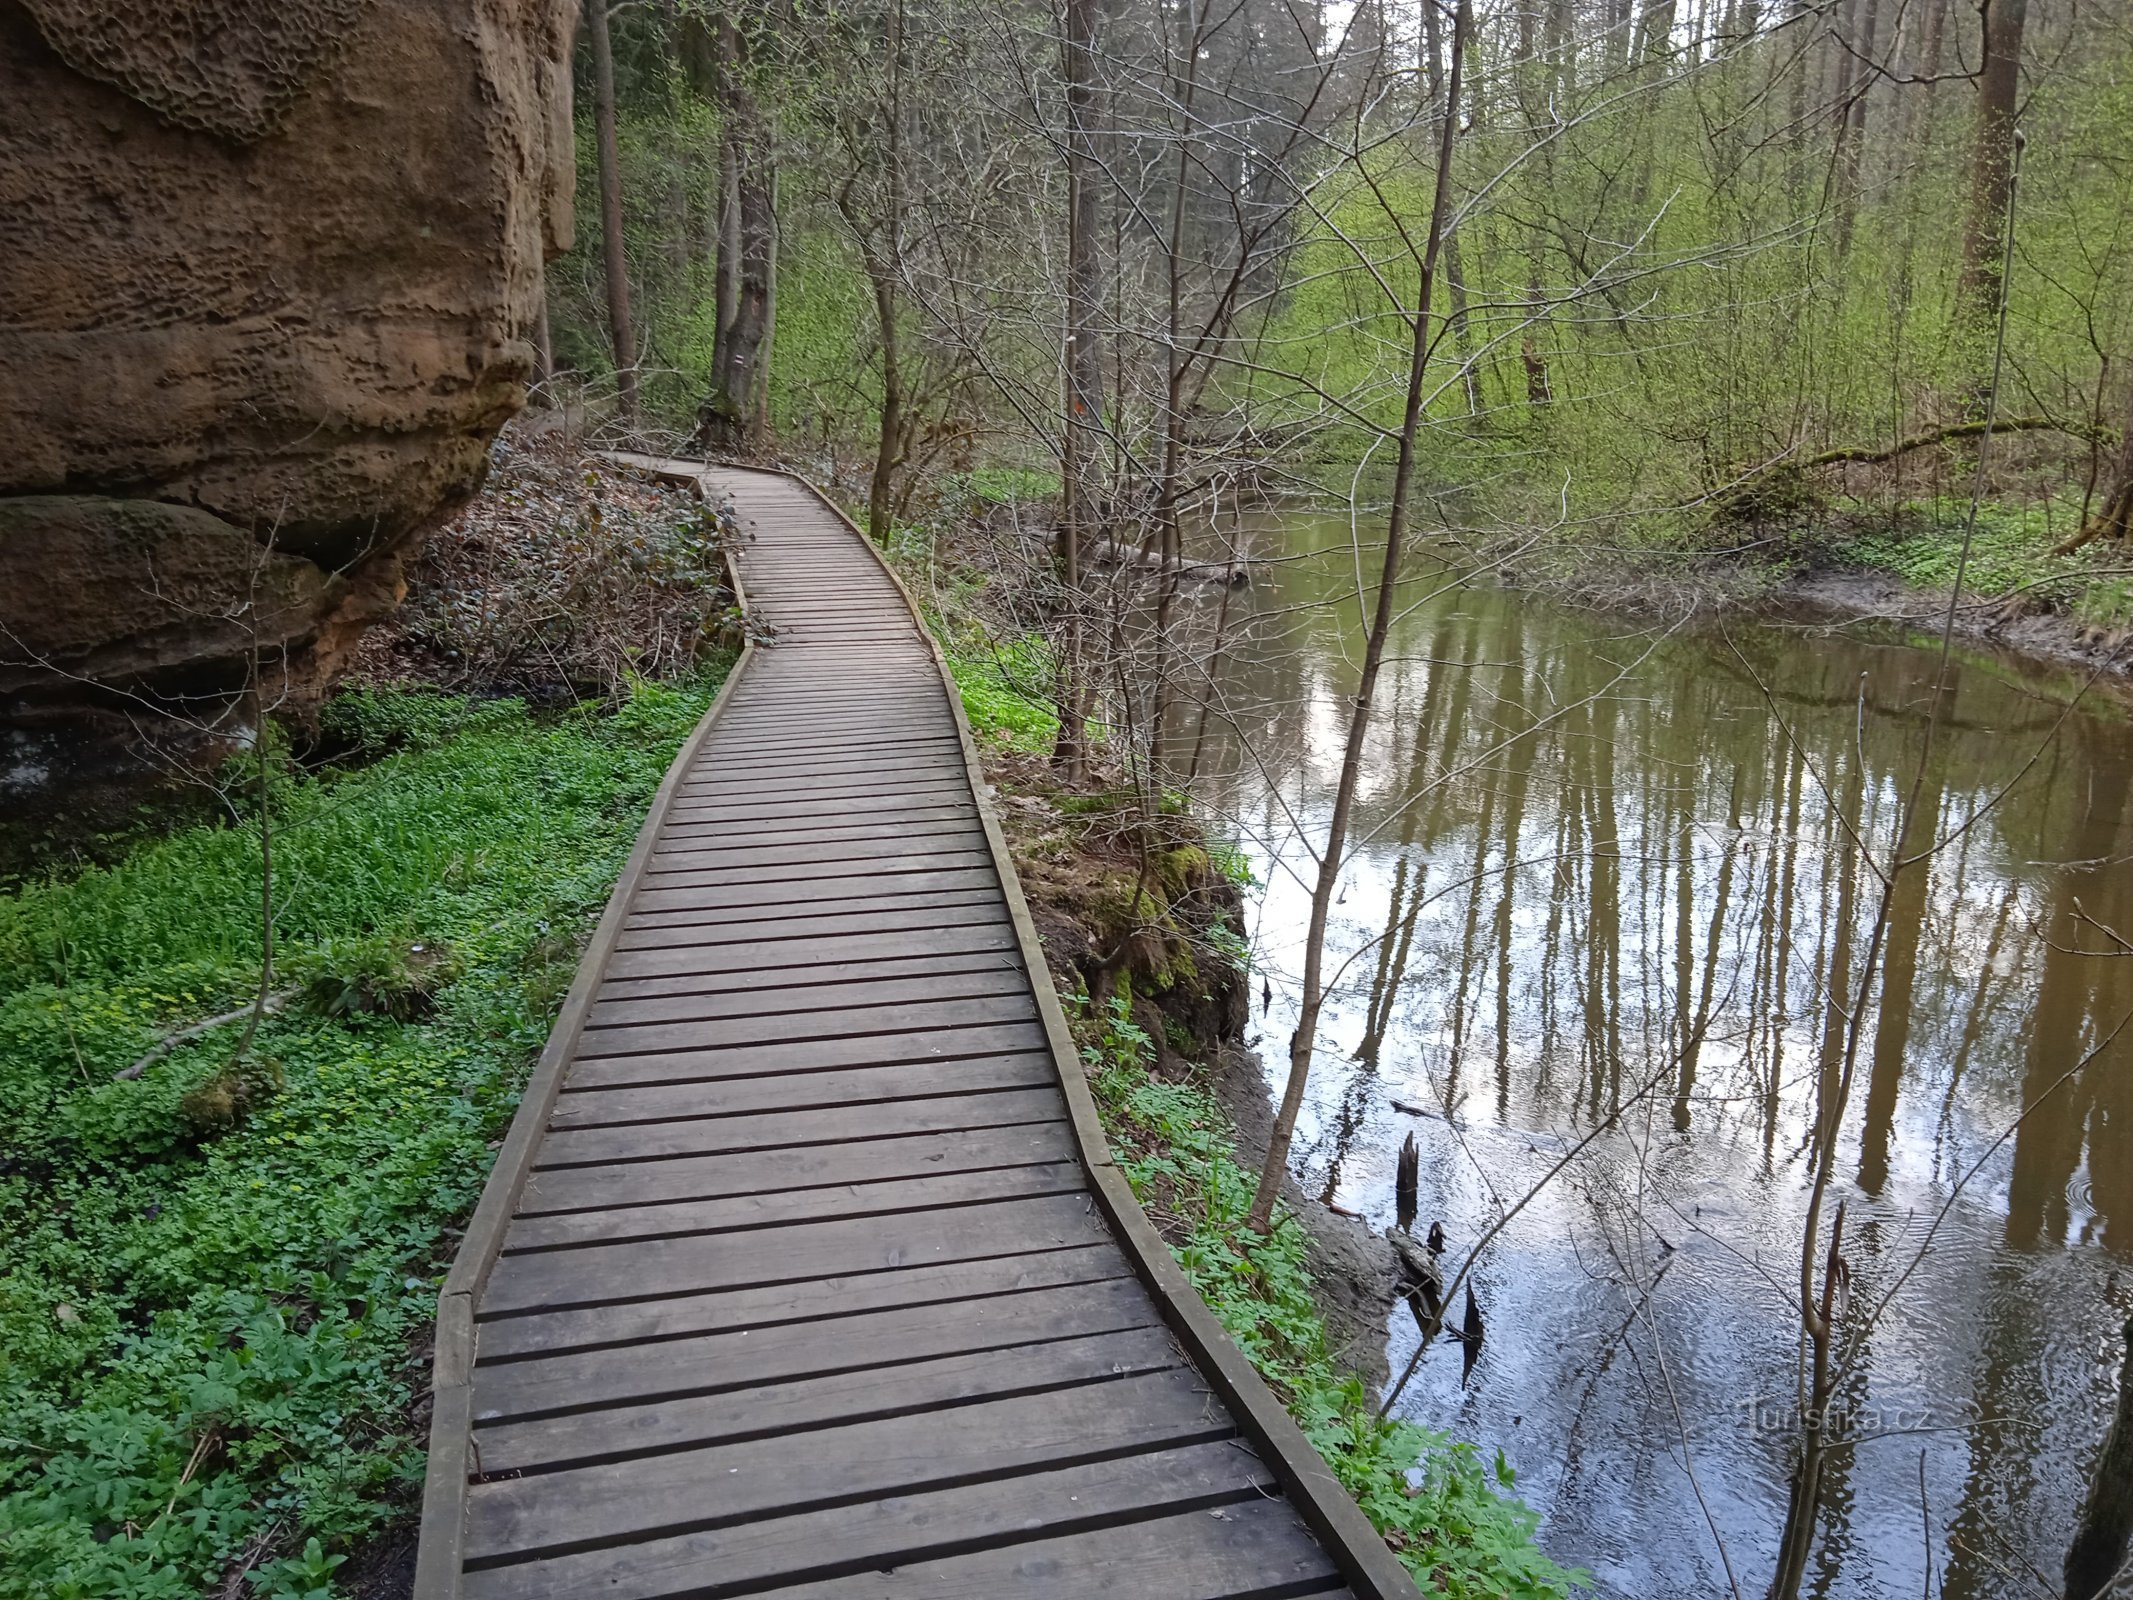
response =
{"points": [[1155, 935]]}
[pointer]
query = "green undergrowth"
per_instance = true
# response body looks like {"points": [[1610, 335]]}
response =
{"points": [[1005, 688], [2013, 553], [1451, 1515], [217, 1273]]}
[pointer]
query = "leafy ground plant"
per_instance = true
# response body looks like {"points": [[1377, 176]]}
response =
{"points": [[216, 1275], [1452, 1517]]}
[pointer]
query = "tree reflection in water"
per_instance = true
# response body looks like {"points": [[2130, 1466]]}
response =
{"points": [[1666, 875]]}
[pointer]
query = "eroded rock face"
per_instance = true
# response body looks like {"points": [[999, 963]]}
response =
{"points": [[268, 275]]}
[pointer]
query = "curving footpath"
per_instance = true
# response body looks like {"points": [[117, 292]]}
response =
{"points": [[803, 1271]]}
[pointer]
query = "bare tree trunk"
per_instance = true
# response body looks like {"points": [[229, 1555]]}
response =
{"points": [[1992, 170], [725, 421], [1804, 1504], [543, 351], [2114, 518], [1852, 130], [1082, 436], [1333, 856], [619, 328], [2099, 1549], [726, 235], [766, 359], [1434, 78]]}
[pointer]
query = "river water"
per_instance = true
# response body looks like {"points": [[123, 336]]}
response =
{"points": [[1604, 877]]}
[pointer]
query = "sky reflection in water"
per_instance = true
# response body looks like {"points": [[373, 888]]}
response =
{"points": [[1601, 874]]}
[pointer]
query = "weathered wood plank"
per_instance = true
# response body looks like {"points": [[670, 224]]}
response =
{"points": [[942, 978], [923, 1043], [678, 1420], [624, 1039], [926, 909], [739, 1358], [588, 1147], [686, 855], [1248, 1550], [849, 894], [876, 1535], [771, 864], [895, 824], [735, 959], [671, 1317], [815, 1203], [553, 1513], [826, 961], [571, 1191], [799, 1091], [598, 1274]]}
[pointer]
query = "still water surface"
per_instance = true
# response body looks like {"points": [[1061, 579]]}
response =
{"points": [[1605, 872]]}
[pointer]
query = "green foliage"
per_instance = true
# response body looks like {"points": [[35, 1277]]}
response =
{"points": [[1006, 692], [375, 974], [1451, 1516], [372, 721], [213, 1277], [1000, 486], [1230, 860], [2012, 550]]}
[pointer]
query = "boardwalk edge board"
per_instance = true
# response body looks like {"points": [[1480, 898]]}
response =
{"points": [[1324, 1507]]}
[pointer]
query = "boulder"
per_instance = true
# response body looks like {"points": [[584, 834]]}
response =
{"points": [[269, 271]]}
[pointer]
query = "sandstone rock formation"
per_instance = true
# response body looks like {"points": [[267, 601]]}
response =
{"points": [[268, 274]]}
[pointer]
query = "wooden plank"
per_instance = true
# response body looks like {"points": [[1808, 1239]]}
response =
{"points": [[630, 1270], [879, 734], [668, 1317], [877, 1534], [834, 1023], [843, 894], [680, 926], [774, 970], [835, 858], [590, 1147], [883, 727], [795, 809], [1248, 1550], [821, 770], [570, 1190], [923, 819], [735, 1358], [924, 1043], [734, 959], [678, 1420], [870, 735], [776, 1206], [746, 870], [943, 978], [922, 790], [800, 1091], [518, 1519], [807, 800]]}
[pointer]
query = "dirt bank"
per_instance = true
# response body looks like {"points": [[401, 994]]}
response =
{"points": [[1079, 860], [2029, 634]]}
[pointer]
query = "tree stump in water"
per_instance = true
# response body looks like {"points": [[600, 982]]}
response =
{"points": [[2098, 1553]]}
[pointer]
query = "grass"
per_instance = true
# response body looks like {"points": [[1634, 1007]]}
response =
{"points": [[216, 1277], [1451, 1515]]}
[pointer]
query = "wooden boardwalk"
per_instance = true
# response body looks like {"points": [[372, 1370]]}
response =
{"points": [[802, 1271]]}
